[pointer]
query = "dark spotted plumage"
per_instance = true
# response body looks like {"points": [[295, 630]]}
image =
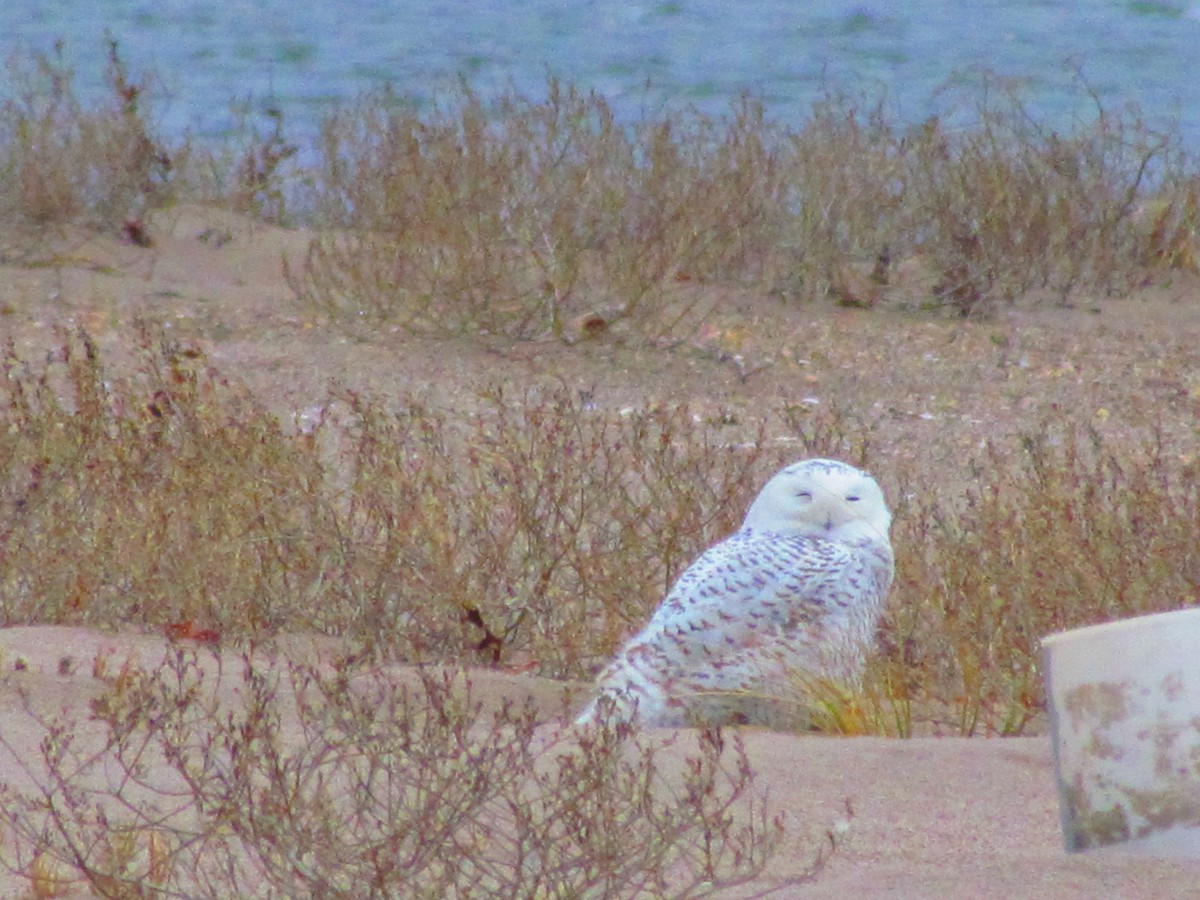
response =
{"points": [[796, 591]]}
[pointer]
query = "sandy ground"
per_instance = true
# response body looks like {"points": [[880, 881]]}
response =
{"points": [[922, 818], [931, 817], [933, 387]]}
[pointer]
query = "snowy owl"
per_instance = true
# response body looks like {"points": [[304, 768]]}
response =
{"points": [[797, 590]]}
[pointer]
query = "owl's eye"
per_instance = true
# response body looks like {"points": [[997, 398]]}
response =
{"points": [[853, 499], [804, 495]]}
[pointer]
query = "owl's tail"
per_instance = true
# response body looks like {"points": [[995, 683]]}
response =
{"points": [[611, 706], [627, 695]]}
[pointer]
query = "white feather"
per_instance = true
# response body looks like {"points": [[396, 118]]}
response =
{"points": [[798, 589]]}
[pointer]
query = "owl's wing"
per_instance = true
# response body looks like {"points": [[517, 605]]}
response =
{"points": [[742, 589], [749, 593]]}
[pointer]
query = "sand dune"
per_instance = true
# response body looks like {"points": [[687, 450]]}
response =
{"points": [[920, 818]]}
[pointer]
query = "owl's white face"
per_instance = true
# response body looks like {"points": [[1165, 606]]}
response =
{"points": [[822, 498]]}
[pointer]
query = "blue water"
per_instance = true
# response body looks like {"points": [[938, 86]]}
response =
{"points": [[304, 57]]}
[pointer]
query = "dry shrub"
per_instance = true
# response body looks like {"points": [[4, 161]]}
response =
{"points": [[849, 179], [527, 216], [541, 530], [261, 189], [518, 215], [999, 209], [1007, 206], [1059, 529], [1170, 226], [104, 166], [514, 215], [1066, 531], [545, 530], [63, 162], [347, 784], [254, 168], [432, 244], [173, 497]]}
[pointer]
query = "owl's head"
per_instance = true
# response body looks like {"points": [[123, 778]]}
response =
{"points": [[822, 498]]}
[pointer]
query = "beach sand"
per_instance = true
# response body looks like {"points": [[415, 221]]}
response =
{"points": [[928, 817]]}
